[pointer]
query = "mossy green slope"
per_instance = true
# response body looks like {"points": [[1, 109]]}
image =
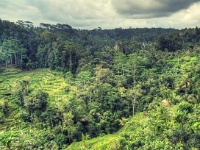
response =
{"points": [[112, 141]]}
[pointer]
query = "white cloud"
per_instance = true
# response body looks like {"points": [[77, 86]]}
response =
{"points": [[185, 18]]}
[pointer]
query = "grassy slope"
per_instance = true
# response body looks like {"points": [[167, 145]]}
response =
{"points": [[48, 81], [111, 141], [44, 79]]}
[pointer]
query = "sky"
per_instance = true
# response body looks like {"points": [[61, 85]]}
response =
{"points": [[107, 14]]}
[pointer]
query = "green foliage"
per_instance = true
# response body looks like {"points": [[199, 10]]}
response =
{"points": [[1, 69], [184, 107], [37, 102], [2, 115], [141, 85]]}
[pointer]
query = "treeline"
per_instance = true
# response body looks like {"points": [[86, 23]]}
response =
{"points": [[61, 46]]}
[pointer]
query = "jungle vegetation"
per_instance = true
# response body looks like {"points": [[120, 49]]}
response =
{"points": [[66, 88]]}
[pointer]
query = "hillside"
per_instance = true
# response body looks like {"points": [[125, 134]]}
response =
{"points": [[13, 82], [169, 121], [163, 128], [113, 141]]}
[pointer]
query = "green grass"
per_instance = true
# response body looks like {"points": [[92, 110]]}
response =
{"points": [[111, 141], [106, 142], [48, 81], [44, 79]]}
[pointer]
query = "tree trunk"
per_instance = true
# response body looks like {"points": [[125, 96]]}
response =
{"points": [[133, 105], [15, 57], [70, 62], [21, 61]]}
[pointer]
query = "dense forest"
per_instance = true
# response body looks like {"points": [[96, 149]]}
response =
{"points": [[66, 88]]}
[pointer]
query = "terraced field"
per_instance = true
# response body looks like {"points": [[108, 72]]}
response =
{"points": [[48, 81]]}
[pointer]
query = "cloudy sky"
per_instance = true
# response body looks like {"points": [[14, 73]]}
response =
{"points": [[107, 14]]}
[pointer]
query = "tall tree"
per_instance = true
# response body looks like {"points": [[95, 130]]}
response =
{"points": [[14, 51]]}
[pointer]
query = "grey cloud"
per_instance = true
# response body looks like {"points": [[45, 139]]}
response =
{"points": [[74, 12], [150, 8]]}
